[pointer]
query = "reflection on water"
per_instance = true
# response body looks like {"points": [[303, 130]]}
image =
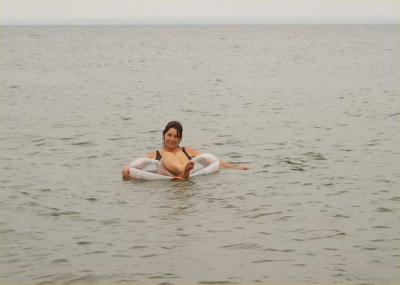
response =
{"points": [[312, 110]]}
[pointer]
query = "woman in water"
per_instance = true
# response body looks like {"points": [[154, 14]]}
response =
{"points": [[176, 159]]}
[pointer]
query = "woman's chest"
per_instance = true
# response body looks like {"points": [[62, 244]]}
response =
{"points": [[181, 157]]}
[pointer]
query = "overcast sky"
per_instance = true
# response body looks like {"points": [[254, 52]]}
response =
{"points": [[199, 11]]}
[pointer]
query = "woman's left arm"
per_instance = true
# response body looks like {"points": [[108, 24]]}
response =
{"points": [[222, 164]]}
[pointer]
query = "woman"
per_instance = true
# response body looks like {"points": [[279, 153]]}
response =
{"points": [[176, 159]]}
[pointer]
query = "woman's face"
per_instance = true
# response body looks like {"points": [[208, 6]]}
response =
{"points": [[171, 139]]}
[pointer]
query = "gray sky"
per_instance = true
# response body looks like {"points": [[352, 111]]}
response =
{"points": [[199, 11]]}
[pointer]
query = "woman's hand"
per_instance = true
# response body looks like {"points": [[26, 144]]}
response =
{"points": [[243, 167]]}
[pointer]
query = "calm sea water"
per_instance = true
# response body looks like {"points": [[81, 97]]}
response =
{"points": [[313, 110]]}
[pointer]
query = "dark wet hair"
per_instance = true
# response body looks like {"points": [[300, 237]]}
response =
{"points": [[175, 125]]}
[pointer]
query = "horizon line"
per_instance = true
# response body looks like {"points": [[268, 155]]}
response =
{"points": [[209, 22], [194, 24]]}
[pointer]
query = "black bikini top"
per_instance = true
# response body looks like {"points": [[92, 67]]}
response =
{"points": [[158, 154]]}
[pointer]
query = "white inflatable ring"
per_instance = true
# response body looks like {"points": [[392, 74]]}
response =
{"points": [[151, 169]]}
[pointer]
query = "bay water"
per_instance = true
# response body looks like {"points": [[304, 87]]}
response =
{"points": [[314, 111]]}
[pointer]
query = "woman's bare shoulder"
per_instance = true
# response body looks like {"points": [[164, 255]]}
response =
{"points": [[152, 155], [191, 151]]}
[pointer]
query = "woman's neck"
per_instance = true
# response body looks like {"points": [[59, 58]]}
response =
{"points": [[174, 149]]}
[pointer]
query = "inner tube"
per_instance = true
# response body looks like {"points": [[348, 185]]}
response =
{"points": [[151, 169]]}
